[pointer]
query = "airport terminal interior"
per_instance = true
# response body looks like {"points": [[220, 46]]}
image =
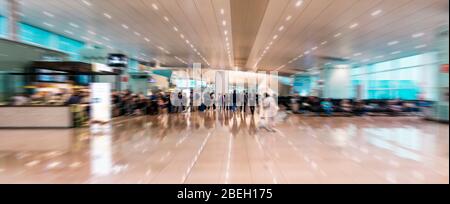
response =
{"points": [[224, 92]]}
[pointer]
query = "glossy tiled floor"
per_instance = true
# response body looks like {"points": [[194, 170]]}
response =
{"points": [[227, 148]]}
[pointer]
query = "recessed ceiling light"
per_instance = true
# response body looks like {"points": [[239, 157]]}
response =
{"points": [[155, 6], [19, 13], [49, 24], [222, 11], [357, 54], [68, 32], [323, 43], [337, 35], [314, 48], [136, 33], [392, 43], [420, 46], [92, 32], [377, 12], [105, 38], [418, 35], [226, 32], [166, 18], [86, 2], [307, 52], [146, 39], [175, 29], [107, 15], [125, 26], [281, 28], [48, 14], [181, 36], [275, 37], [74, 25], [299, 3], [354, 25], [288, 18], [396, 52], [224, 23], [379, 57]]}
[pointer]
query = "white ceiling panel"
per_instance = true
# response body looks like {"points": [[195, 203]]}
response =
{"points": [[283, 35]]}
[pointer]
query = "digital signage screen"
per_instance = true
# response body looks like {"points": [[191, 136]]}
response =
{"points": [[45, 75], [117, 60]]}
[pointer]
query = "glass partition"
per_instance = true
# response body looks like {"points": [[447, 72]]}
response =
{"points": [[409, 78]]}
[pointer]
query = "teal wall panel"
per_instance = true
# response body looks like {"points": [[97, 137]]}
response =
{"points": [[3, 23], [34, 35], [70, 46], [133, 66], [165, 73], [47, 39]]}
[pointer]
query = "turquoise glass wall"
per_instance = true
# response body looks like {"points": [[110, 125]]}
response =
{"points": [[304, 85], [3, 23], [408, 78]]}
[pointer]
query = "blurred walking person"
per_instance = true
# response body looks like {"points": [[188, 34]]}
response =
{"points": [[269, 112]]}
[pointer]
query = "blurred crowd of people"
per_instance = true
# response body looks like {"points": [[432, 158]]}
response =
{"points": [[356, 107], [62, 97], [127, 103]]}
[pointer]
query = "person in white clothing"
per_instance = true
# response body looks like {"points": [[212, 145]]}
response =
{"points": [[20, 100], [270, 109]]}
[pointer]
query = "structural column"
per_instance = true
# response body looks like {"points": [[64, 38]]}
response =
{"points": [[222, 82], [441, 107], [337, 82], [13, 18]]}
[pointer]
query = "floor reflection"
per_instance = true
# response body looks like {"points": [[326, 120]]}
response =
{"points": [[222, 147]]}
